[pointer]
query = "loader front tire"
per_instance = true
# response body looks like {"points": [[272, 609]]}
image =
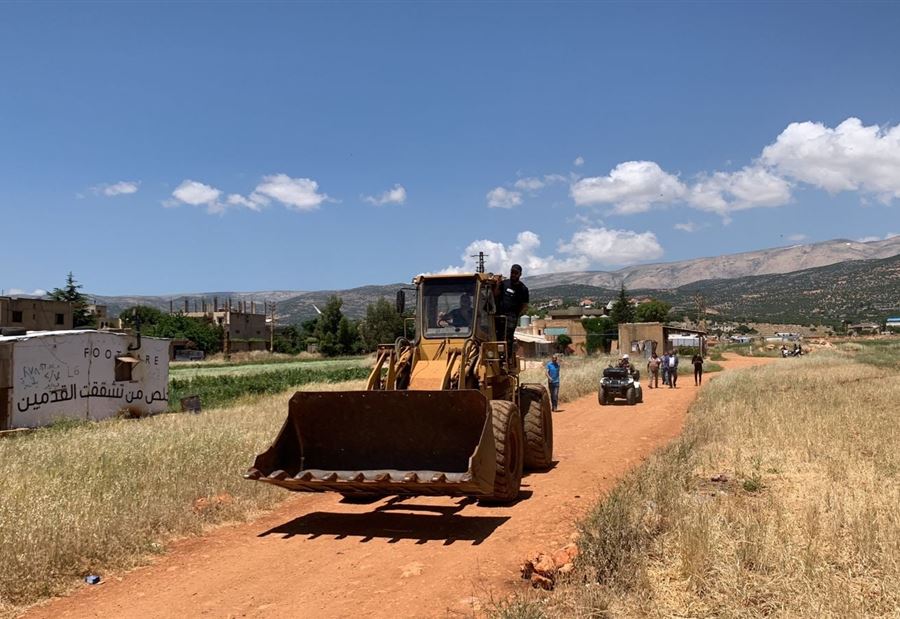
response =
{"points": [[509, 444], [534, 403]]}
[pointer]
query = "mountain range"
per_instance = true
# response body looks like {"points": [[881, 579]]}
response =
{"points": [[827, 281]]}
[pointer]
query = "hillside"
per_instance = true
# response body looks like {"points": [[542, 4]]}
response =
{"points": [[823, 282], [856, 290], [762, 262]]}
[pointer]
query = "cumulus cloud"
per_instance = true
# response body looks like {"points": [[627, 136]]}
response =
{"points": [[849, 157], [579, 161], [750, 187], [236, 199], [500, 197], [195, 193], [117, 189], [301, 194], [395, 195], [587, 248], [602, 246], [529, 184], [630, 187], [869, 239], [689, 226]]}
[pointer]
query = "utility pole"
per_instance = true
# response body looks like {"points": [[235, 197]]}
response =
{"points": [[481, 256], [272, 329], [701, 310]]}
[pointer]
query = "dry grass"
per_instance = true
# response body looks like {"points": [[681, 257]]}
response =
{"points": [[579, 375], [103, 496], [803, 517]]}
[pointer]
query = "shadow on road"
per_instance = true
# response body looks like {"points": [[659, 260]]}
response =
{"points": [[386, 524]]}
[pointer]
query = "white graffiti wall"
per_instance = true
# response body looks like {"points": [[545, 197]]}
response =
{"points": [[73, 375]]}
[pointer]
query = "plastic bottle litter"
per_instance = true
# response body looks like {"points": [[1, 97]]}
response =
{"points": [[92, 579]]}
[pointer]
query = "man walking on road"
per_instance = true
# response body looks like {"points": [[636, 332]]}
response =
{"points": [[697, 362], [653, 368], [673, 370], [665, 369], [553, 381]]}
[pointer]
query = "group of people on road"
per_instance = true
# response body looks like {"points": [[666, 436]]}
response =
{"points": [[667, 365]]}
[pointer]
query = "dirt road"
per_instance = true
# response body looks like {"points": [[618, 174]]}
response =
{"points": [[420, 557]]}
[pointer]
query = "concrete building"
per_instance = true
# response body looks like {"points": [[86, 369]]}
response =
{"points": [[864, 328], [892, 324], [88, 374], [644, 338], [35, 314], [243, 331], [561, 322]]}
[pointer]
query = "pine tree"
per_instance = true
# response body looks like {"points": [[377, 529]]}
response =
{"points": [[622, 311], [81, 317]]}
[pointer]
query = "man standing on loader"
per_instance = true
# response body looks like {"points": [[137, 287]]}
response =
{"points": [[512, 301]]}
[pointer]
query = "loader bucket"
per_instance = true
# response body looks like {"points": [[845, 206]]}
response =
{"points": [[384, 443]]}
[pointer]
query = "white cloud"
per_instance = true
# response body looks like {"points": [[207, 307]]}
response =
{"points": [[500, 197], [117, 189], [253, 203], [579, 161], [750, 187], [587, 248], [196, 193], [797, 237], [300, 194], [396, 195], [631, 187], [849, 157], [529, 184], [687, 227], [15, 292], [606, 247], [869, 239]]}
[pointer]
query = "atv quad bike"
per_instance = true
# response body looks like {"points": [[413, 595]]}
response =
{"points": [[444, 414], [620, 383]]}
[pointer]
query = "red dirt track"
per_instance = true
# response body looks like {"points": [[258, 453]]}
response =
{"points": [[314, 556]]}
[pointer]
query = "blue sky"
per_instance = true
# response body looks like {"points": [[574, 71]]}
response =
{"points": [[177, 147]]}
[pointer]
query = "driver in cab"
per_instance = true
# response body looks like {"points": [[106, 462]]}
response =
{"points": [[459, 317]]}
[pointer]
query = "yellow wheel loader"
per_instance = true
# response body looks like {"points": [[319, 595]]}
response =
{"points": [[443, 414]]}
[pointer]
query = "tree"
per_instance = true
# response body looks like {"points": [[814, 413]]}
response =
{"points": [[652, 311], [383, 325], [148, 315], [80, 315], [348, 336], [202, 331], [327, 326], [599, 333], [622, 310], [563, 342]]}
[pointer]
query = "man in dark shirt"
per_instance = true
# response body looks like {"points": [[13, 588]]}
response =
{"points": [[459, 317], [512, 301]]}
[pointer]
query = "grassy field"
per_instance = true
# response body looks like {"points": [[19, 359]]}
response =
{"points": [[193, 370], [100, 497], [579, 376], [780, 499], [219, 386]]}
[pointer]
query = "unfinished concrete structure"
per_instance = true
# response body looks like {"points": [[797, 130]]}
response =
{"points": [[35, 314], [645, 338], [244, 330]]}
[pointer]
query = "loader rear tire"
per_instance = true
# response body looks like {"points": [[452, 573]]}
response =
{"points": [[509, 444], [535, 406]]}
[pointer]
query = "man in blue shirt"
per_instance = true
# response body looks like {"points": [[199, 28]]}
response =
{"points": [[553, 381]]}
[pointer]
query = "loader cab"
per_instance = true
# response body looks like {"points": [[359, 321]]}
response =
{"points": [[455, 307]]}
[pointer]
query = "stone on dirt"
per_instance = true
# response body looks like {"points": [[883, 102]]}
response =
{"points": [[543, 569]]}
